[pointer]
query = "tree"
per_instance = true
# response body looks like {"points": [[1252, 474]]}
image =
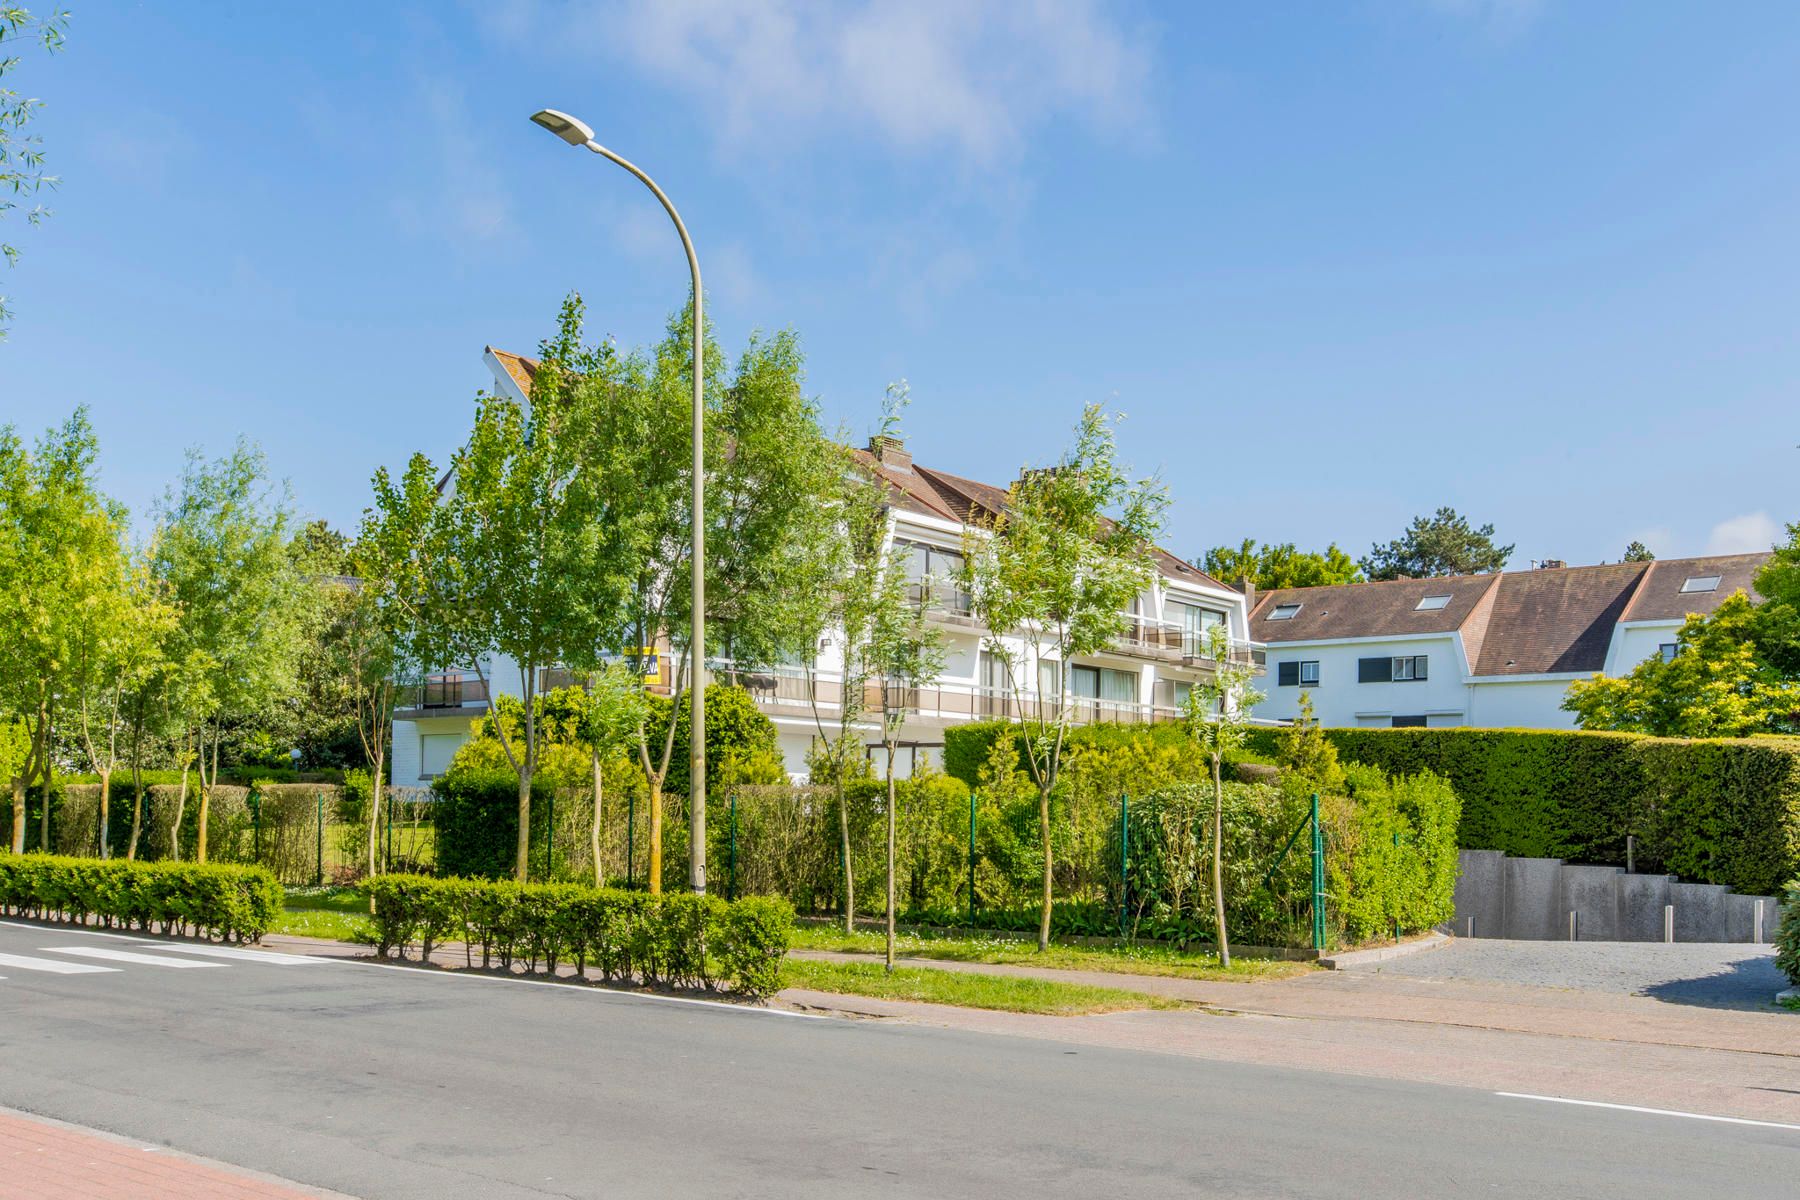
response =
{"points": [[1442, 544], [1721, 681], [222, 554], [611, 718], [518, 559], [1059, 570], [1638, 552], [1217, 716], [21, 153], [59, 543], [1281, 566], [1303, 748]]}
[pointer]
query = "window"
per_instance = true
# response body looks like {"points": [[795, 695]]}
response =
{"points": [[1406, 668], [1309, 673], [1430, 603], [1667, 650], [1299, 673], [1408, 722], [1700, 583], [1284, 612], [435, 752], [1196, 625]]}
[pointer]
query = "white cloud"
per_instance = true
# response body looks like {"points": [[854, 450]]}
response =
{"points": [[1743, 534], [921, 75]]}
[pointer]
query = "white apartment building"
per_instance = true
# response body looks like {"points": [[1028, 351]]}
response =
{"points": [[1143, 677], [1494, 650]]}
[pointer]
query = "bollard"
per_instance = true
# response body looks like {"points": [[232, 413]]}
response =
{"points": [[1668, 922], [1471, 932], [1756, 934], [1572, 925]]}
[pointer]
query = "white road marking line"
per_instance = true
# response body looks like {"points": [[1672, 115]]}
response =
{"points": [[1658, 1112], [126, 956], [260, 956], [51, 965]]}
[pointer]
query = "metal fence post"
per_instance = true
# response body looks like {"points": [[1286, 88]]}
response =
{"points": [[630, 834], [1318, 879], [388, 861], [550, 837], [1396, 857], [732, 858], [973, 795], [256, 827], [1124, 856], [319, 852]]}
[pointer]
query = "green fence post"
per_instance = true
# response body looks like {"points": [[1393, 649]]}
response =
{"points": [[1318, 879], [732, 860], [630, 833], [256, 827], [973, 795], [1124, 855], [319, 868], [550, 837], [388, 860], [1396, 861]]}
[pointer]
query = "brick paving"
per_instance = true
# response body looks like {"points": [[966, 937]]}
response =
{"points": [[48, 1160]]}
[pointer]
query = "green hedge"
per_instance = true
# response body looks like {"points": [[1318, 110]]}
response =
{"points": [[1718, 811], [1787, 938], [213, 900], [672, 940]]}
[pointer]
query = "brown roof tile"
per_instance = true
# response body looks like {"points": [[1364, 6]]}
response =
{"points": [[522, 370], [1385, 609], [1660, 598], [1555, 620]]}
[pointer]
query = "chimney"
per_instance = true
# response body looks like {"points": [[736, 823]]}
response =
{"points": [[1247, 586], [890, 452], [1551, 564]]}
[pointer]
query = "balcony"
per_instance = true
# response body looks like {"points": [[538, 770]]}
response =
{"points": [[788, 691], [445, 693], [1165, 641], [942, 602]]}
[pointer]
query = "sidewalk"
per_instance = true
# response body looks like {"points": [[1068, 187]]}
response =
{"points": [[42, 1159]]}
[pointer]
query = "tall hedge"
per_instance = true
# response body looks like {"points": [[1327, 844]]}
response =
{"points": [[1712, 811]]}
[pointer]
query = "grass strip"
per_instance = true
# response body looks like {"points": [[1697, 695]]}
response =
{"points": [[1124, 959], [336, 913], [1005, 993]]}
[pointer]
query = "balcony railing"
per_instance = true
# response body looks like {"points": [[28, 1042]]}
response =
{"points": [[1147, 637], [445, 689], [792, 689], [944, 601]]}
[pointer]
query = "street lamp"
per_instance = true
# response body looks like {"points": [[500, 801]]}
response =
{"points": [[577, 133]]}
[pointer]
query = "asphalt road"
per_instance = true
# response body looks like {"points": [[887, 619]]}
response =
{"points": [[391, 1082]]}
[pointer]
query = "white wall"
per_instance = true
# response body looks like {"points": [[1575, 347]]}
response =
{"points": [[1533, 703], [1442, 697], [1633, 643]]}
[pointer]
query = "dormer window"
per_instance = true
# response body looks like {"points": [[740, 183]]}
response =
{"points": [[1284, 612], [1701, 583], [1431, 603]]}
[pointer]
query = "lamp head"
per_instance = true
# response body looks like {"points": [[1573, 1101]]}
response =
{"points": [[564, 126]]}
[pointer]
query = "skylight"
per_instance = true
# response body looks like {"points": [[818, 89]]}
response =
{"points": [[1431, 602], [1701, 583], [1284, 612]]}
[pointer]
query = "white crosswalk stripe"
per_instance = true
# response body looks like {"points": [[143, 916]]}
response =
{"points": [[127, 956], [258, 956], [54, 967]]}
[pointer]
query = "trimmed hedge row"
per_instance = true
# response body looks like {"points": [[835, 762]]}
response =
{"points": [[213, 900], [673, 940], [1787, 938], [1716, 811]]}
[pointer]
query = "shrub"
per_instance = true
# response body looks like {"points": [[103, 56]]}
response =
{"points": [[1713, 811], [673, 940], [213, 900], [1787, 938]]}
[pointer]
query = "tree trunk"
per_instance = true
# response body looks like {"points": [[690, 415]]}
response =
{"points": [[137, 798], [46, 770], [18, 822], [522, 867], [843, 800], [105, 805], [890, 855], [1044, 835], [376, 796], [180, 808], [655, 856], [1218, 863], [209, 778], [600, 875]]}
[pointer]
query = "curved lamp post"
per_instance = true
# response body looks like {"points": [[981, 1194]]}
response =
{"points": [[577, 133]]}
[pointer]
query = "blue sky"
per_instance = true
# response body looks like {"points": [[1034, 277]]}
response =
{"points": [[1338, 264]]}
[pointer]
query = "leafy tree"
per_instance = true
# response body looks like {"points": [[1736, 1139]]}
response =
{"points": [[21, 153], [221, 553], [59, 547], [1216, 717], [1058, 570], [611, 717], [1720, 683], [1442, 544], [1303, 748], [1638, 552], [1281, 566]]}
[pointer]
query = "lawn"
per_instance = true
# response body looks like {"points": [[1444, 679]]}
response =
{"points": [[1123, 959], [1004, 992], [338, 913]]}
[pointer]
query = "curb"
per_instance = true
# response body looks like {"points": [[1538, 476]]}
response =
{"points": [[1349, 959]]}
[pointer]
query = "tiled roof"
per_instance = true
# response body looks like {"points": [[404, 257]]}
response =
{"points": [[1547, 621], [1368, 609], [1660, 598], [522, 370]]}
